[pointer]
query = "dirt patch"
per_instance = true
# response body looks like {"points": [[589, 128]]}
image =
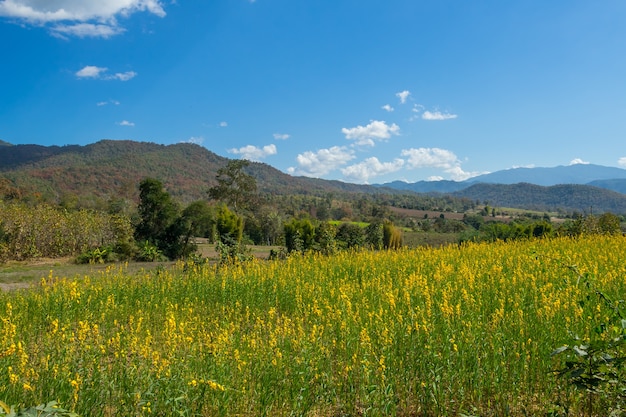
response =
{"points": [[16, 275], [12, 286], [24, 274]]}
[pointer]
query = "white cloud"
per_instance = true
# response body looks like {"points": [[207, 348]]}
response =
{"points": [[100, 73], [439, 159], [365, 135], [622, 161], [457, 174], [578, 161], [388, 108], [198, 140], [126, 123], [123, 76], [437, 115], [223, 124], [104, 103], [416, 109], [371, 167], [403, 96], [84, 18], [86, 30], [316, 164], [430, 158], [254, 153], [281, 136], [90, 71]]}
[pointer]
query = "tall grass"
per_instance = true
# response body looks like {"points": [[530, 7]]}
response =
{"points": [[412, 332]]}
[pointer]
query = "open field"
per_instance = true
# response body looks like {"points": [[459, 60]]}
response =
{"points": [[451, 331], [14, 275]]}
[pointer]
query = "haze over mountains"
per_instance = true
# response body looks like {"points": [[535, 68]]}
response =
{"points": [[111, 168], [582, 174]]}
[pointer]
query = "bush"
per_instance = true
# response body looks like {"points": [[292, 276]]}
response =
{"points": [[392, 236], [232, 251], [97, 256], [149, 252]]}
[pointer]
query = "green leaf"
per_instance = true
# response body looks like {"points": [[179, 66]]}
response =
{"points": [[559, 350], [580, 350]]}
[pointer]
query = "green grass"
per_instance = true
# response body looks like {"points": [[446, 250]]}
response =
{"points": [[339, 222], [23, 273]]}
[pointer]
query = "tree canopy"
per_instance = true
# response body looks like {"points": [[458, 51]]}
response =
{"points": [[234, 187]]}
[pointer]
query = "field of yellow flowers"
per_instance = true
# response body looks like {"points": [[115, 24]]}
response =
{"points": [[456, 330]]}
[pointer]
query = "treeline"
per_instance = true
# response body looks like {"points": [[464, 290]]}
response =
{"points": [[28, 232], [159, 227], [481, 231]]}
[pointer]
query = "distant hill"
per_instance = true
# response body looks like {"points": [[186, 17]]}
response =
{"points": [[114, 168], [617, 185], [428, 186], [571, 174], [599, 176], [571, 197], [588, 174]]}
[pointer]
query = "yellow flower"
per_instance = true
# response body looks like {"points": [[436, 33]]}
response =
{"points": [[13, 378], [215, 386]]}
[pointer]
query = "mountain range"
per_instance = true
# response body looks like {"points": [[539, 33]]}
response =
{"points": [[600, 176], [113, 168]]}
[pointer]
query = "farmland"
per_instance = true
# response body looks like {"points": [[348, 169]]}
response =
{"points": [[448, 331]]}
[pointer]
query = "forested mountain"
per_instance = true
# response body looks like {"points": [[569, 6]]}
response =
{"points": [[442, 186], [571, 197], [113, 169], [618, 185]]}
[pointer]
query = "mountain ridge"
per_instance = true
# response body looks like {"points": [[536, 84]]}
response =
{"points": [[113, 168], [610, 178]]}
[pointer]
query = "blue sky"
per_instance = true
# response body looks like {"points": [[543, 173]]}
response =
{"points": [[357, 90]]}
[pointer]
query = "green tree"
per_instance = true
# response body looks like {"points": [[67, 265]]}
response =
{"points": [[350, 235], [374, 235], [234, 187], [609, 224], [299, 235], [200, 219], [196, 220], [271, 227], [156, 209], [229, 226], [159, 222], [475, 220], [263, 225], [325, 241], [392, 236]]}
